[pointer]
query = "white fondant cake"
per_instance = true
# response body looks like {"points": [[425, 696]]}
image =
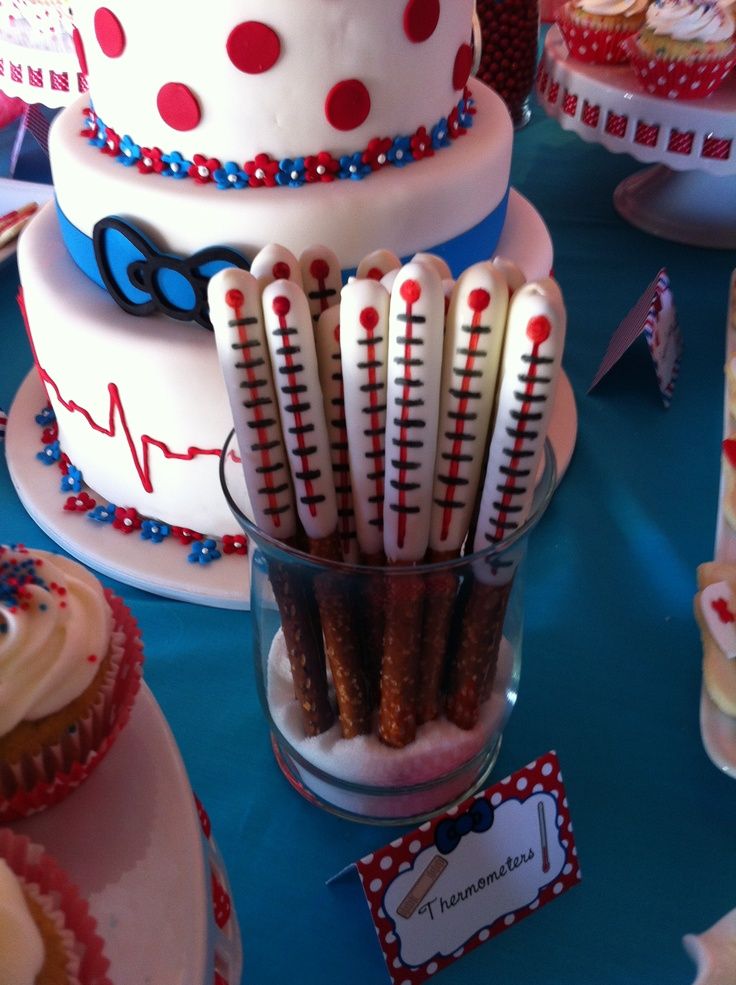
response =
{"points": [[343, 123]]}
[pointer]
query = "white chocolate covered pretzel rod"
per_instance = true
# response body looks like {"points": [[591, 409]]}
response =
{"points": [[531, 365], [321, 279], [416, 322], [377, 264], [474, 335], [329, 359], [235, 309], [275, 262], [364, 310], [293, 353]]}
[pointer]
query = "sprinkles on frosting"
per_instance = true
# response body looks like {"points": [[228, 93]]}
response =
{"points": [[265, 171]]}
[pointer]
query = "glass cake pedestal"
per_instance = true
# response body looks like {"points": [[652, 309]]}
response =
{"points": [[689, 193]]}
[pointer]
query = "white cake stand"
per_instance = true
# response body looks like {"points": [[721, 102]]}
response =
{"points": [[689, 195]]}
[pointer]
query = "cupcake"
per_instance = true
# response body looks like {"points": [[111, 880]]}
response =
{"points": [[595, 30], [47, 936], [70, 658], [685, 50]]}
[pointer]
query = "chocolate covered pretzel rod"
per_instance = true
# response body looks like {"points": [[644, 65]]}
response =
{"points": [[531, 364], [364, 310], [293, 354], [416, 321], [235, 309], [474, 335]]}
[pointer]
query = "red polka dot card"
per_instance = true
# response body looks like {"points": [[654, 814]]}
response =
{"points": [[438, 892], [655, 317]]}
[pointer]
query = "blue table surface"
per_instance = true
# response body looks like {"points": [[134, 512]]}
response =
{"points": [[611, 664]]}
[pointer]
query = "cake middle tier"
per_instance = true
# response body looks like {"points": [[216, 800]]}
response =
{"points": [[140, 403], [453, 202]]}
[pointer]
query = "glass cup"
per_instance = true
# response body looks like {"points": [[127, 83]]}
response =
{"points": [[507, 32], [440, 715]]}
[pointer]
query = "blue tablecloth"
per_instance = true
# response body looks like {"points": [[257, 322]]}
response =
{"points": [[611, 663]]}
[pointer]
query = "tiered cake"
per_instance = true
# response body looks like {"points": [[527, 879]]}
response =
{"points": [[216, 132]]}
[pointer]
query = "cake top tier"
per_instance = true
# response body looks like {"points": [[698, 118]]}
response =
{"points": [[286, 78]]}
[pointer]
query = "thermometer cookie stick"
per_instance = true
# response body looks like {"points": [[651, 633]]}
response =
{"points": [[474, 336], [293, 354], [535, 336], [329, 359], [416, 321], [364, 308], [235, 309]]}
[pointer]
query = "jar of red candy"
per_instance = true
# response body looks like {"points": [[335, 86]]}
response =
{"points": [[509, 39]]}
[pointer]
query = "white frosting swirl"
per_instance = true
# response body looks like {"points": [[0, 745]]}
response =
{"points": [[55, 627], [22, 950], [688, 20], [614, 8]]}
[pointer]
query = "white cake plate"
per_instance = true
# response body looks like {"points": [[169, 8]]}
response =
{"points": [[131, 840], [159, 568], [689, 196]]}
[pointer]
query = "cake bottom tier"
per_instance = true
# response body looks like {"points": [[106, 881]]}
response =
{"points": [[140, 403]]}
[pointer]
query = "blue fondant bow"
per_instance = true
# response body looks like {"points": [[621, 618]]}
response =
{"points": [[449, 833], [142, 280]]}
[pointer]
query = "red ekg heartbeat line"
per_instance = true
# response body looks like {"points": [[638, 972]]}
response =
{"points": [[140, 461], [116, 416]]}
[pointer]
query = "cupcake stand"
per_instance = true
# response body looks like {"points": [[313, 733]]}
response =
{"points": [[689, 193], [139, 846], [719, 730]]}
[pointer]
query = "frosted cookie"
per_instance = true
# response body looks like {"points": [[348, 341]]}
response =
{"points": [[715, 611]]}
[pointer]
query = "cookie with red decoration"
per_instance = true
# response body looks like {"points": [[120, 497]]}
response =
{"points": [[715, 612]]}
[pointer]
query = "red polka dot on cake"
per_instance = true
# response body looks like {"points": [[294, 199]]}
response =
{"points": [[178, 106], [347, 105], [462, 67], [420, 19], [79, 48], [281, 270], [253, 47], [109, 33]]}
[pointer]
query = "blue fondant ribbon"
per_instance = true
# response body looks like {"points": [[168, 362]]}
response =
{"points": [[142, 279]]}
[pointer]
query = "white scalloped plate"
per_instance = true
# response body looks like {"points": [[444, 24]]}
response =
{"points": [[131, 840]]}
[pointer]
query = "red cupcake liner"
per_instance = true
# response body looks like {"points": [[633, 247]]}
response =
{"points": [[53, 774], [43, 874], [679, 79], [596, 46]]}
